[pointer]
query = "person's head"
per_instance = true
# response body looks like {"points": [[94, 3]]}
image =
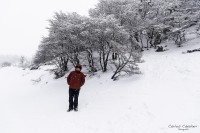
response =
{"points": [[78, 67]]}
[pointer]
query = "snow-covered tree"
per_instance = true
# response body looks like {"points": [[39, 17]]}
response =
{"points": [[126, 61], [148, 20], [108, 32], [63, 43]]}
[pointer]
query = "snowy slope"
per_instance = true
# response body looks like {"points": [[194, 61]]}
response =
{"points": [[167, 93]]}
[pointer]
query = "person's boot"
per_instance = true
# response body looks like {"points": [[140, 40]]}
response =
{"points": [[76, 109], [70, 109]]}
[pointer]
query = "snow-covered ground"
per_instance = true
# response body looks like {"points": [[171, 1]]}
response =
{"points": [[165, 96]]}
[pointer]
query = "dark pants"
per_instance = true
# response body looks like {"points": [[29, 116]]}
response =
{"points": [[73, 98]]}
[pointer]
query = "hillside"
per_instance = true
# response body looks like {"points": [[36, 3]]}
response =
{"points": [[164, 96]]}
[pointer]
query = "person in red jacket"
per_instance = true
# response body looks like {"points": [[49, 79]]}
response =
{"points": [[75, 80]]}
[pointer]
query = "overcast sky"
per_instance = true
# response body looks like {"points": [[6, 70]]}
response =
{"points": [[24, 22]]}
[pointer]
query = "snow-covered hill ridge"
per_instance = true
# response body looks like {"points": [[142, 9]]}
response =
{"points": [[167, 93]]}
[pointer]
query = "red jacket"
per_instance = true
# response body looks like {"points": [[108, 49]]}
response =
{"points": [[75, 79]]}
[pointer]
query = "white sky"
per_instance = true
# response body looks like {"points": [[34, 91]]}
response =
{"points": [[24, 22]]}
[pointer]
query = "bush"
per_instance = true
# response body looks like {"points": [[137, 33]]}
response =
{"points": [[5, 64]]}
